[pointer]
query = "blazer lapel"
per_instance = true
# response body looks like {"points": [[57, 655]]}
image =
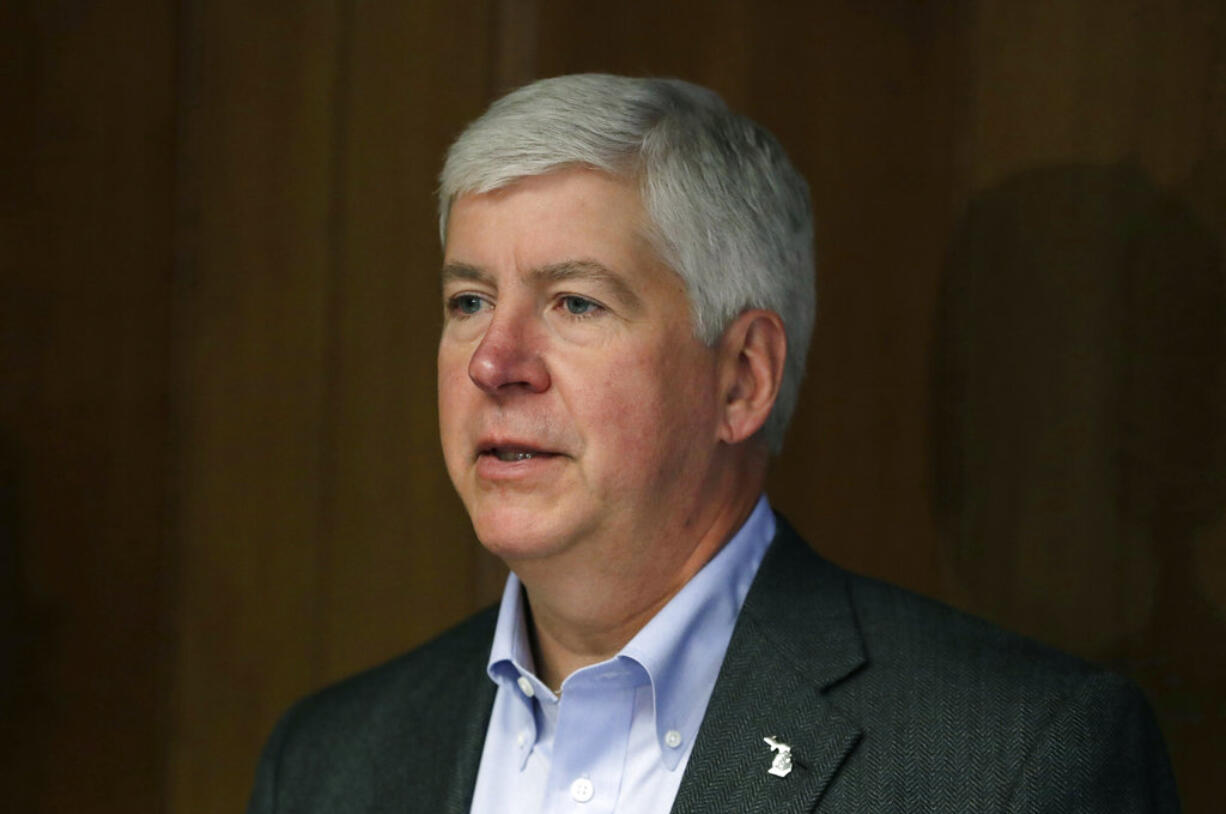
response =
{"points": [[796, 636], [427, 747], [470, 723]]}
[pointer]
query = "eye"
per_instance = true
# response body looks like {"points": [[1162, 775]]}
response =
{"points": [[465, 304], [580, 306]]}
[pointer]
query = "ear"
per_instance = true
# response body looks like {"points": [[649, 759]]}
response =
{"points": [[752, 351]]}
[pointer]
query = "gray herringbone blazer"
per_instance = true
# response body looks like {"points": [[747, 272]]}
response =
{"points": [[890, 702]]}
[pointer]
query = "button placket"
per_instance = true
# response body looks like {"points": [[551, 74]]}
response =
{"points": [[589, 768]]}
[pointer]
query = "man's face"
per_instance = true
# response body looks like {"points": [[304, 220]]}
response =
{"points": [[578, 411]]}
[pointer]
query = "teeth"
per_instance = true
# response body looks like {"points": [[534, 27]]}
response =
{"points": [[513, 455]]}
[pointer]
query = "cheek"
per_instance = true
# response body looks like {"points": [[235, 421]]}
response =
{"points": [[452, 370], [648, 414], [453, 389]]}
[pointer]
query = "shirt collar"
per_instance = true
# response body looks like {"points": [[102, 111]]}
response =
{"points": [[680, 649], [511, 663]]}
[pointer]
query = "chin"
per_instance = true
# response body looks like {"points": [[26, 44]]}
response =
{"points": [[514, 533]]}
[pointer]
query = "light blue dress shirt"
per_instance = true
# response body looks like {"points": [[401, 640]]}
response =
{"points": [[619, 735]]}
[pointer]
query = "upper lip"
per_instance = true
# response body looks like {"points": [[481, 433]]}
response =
{"points": [[493, 444]]}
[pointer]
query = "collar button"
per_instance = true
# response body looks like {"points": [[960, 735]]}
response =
{"points": [[525, 686]]}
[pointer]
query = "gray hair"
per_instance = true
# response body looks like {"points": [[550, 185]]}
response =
{"points": [[729, 213]]}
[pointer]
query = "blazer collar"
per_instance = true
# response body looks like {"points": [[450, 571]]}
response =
{"points": [[796, 637]]}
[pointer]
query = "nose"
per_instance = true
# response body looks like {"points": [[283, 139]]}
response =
{"points": [[508, 358]]}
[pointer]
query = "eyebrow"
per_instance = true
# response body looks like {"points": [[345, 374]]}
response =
{"points": [[463, 271], [583, 269]]}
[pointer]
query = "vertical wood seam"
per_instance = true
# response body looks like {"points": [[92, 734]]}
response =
{"points": [[185, 196], [330, 409]]}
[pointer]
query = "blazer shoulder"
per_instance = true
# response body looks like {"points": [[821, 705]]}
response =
{"points": [[918, 636], [956, 713], [416, 679], [1071, 735], [899, 624], [339, 748]]}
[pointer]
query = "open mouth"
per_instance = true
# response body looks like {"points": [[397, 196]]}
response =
{"points": [[512, 454]]}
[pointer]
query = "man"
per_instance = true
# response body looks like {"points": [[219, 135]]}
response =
{"points": [[628, 297]]}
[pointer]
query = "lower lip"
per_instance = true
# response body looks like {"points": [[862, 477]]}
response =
{"points": [[492, 468]]}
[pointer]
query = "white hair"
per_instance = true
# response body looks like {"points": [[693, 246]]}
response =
{"points": [[729, 212]]}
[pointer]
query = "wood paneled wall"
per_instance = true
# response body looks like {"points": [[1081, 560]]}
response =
{"points": [[86, 263], [220, 484]]}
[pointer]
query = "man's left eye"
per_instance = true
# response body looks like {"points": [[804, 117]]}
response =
{"points": [[579, 306]]}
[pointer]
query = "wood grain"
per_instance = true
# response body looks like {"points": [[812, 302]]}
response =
{"points": [[220, 480]]}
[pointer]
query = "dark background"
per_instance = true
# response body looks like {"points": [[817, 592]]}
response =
{"points": [[220, 483]]}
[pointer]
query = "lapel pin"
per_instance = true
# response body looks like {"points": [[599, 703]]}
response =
{"points": [[781, 766]]}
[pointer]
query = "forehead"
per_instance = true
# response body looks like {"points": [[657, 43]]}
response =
{"points": [[564, 216]]}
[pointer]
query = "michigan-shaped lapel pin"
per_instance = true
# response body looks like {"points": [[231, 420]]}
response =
{"points": [[782, 764]]}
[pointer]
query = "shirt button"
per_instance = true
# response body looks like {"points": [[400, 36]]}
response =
{"points": [[521, 739], [672, 738], [526, 686], [582, 790]]}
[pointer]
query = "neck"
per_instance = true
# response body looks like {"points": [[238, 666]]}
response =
{"points": [[585, 607]]}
